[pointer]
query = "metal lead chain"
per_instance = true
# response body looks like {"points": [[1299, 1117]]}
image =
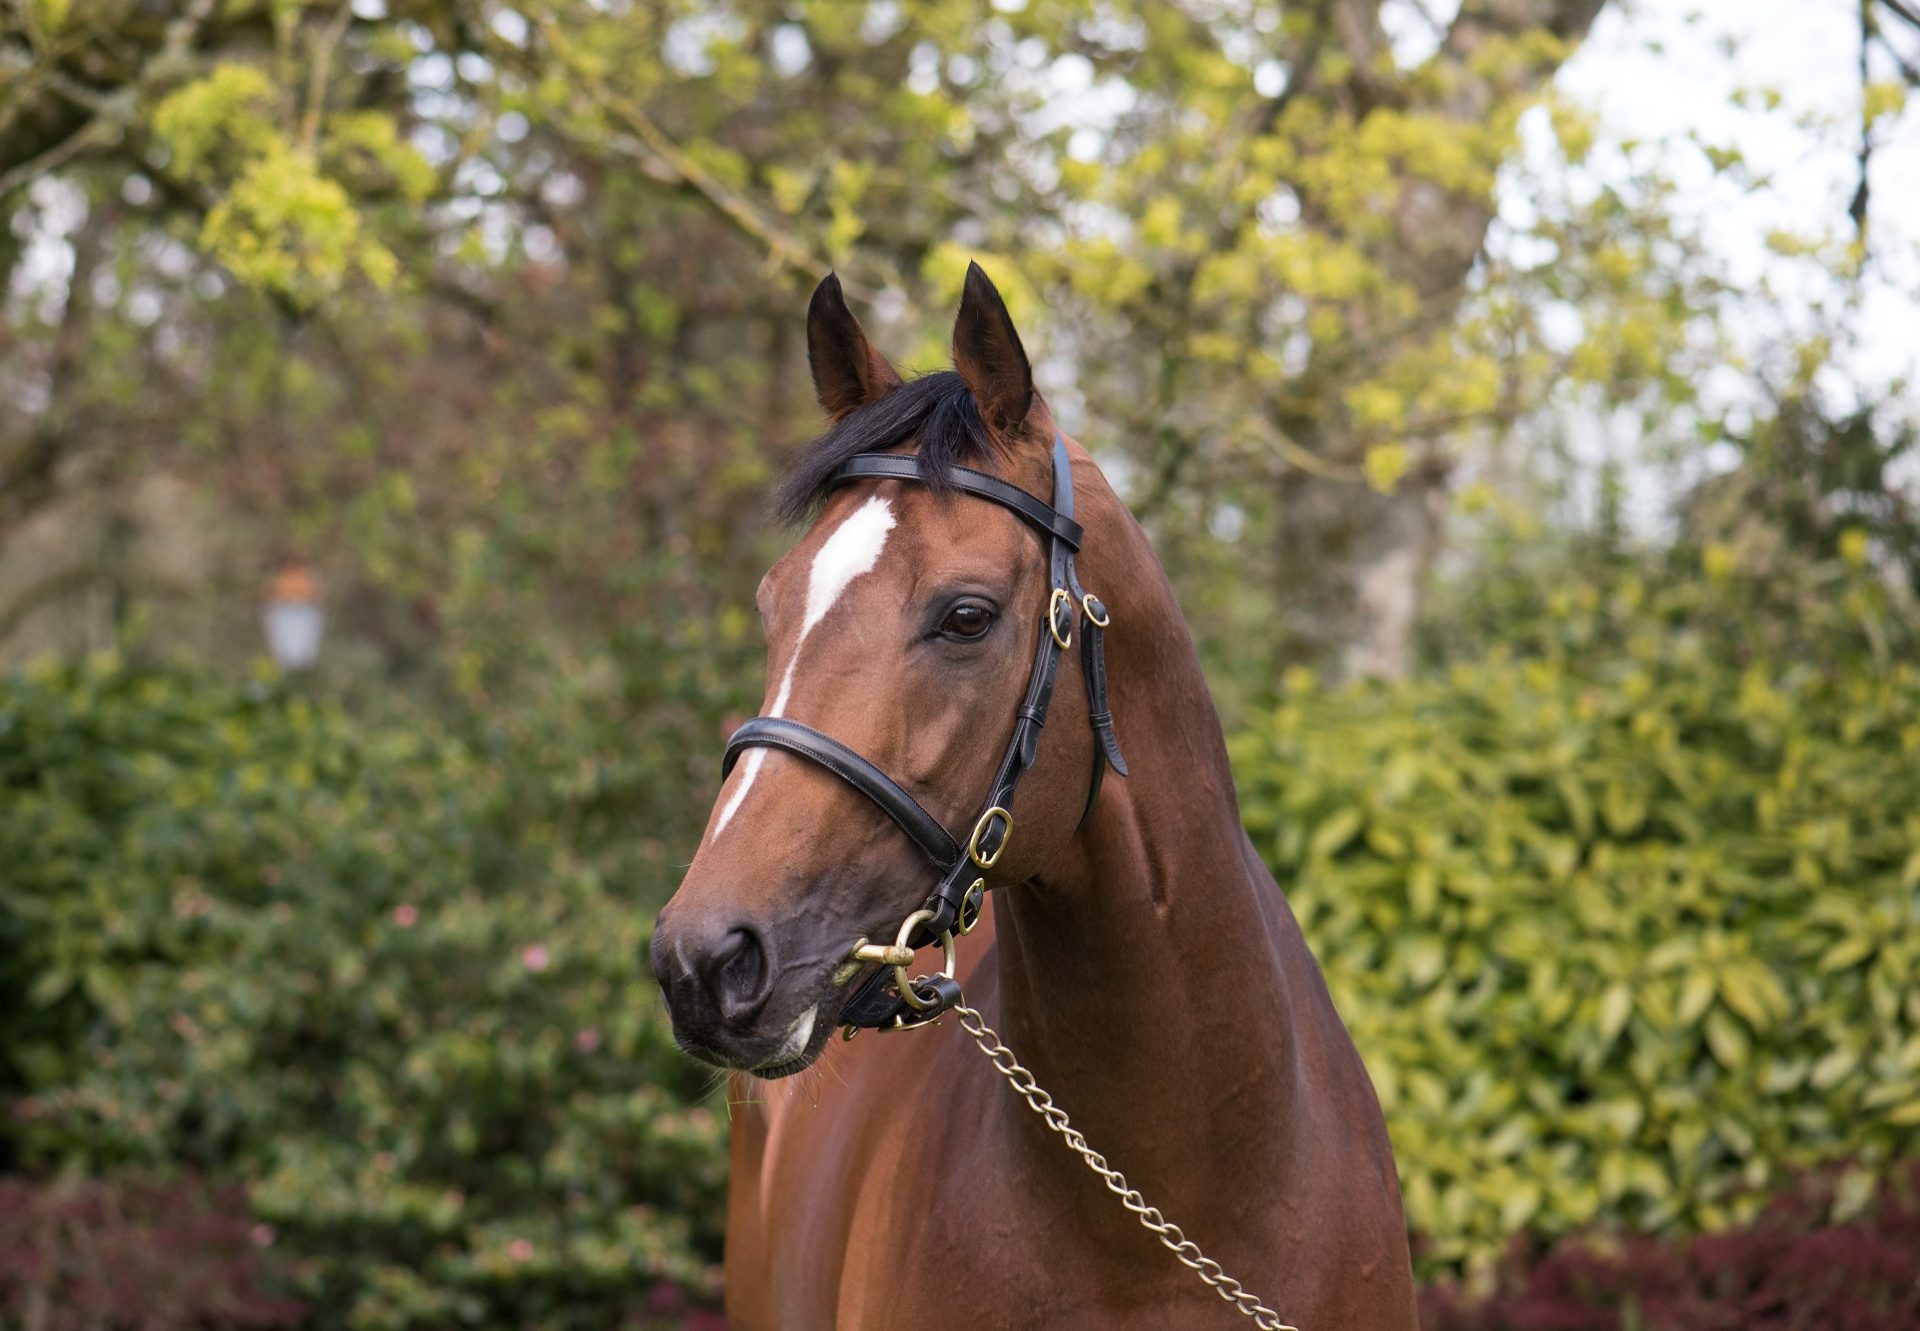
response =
{"points": [[1158, 1225]]}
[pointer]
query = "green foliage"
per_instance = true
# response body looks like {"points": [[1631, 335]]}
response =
{"points": [[217, 122], [1825, 1252], [1806, 551], [1816, 489], [1625, 925], [357, 967], [280, 222], [287, 228]]}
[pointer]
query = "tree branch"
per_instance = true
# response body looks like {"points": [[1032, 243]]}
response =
{"points": [[1901, 10], [323, 50], [1857, 210], [57, 587], [1908, 70], [95, 133], [784, 249], [1480, 19], [114, 112]]}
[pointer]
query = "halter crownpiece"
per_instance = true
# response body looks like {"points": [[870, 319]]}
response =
{"points": [[957, 899]]}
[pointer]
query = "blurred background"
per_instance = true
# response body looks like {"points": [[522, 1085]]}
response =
{"points": [[1519, 393]]}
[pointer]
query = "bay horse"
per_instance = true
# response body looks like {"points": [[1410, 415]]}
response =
{"points": [[1136, 956]]}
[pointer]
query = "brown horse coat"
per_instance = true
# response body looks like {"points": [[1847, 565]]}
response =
{"points": [[1143, 964]]}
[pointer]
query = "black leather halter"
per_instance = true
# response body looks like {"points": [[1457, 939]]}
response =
{"points": [[956, 900]]}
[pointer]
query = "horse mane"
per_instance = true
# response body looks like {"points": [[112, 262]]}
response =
{"points": [[937, 407]]}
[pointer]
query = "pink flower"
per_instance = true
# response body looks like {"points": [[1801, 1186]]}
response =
{"points": [[534, 957], [586, 1040], [406, 916], [262, 1236], [520, 1250]]}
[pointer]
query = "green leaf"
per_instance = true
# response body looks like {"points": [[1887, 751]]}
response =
{"points": [[1846, 954], [1696, 996], [1423, 891], [1333, 834], [49, 987], [1616, 1005], [1727, 1040]]}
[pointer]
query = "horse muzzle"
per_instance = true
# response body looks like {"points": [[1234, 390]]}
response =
{"points": [[722, 990]]}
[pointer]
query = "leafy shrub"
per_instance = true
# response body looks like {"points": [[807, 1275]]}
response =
{"points": [[341, 961], [1795, 1268], [1626, 931], [137, 1256]]}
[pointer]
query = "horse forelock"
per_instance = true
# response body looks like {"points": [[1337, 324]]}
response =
{"points": [[936, 408]]}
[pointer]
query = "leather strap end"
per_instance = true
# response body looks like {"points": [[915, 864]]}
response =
{"points": [[871, 1005], [1110, 744]]}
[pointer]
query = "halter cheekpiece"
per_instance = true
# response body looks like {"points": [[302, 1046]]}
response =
{"points": [[956, 901]]}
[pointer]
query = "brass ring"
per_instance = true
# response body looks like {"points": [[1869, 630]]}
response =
{"points": [[900, 978], [963, 923], [1087, 603], [1061, 596], [980, 829]]}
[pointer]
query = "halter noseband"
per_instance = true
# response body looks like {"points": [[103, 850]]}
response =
{"points": [[952, 906]]}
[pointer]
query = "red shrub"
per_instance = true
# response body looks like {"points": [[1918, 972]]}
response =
{"points": [[141, 1256], [1793, 1269]]}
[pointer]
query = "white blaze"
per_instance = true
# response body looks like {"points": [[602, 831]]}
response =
{"points": [[853, 549]]}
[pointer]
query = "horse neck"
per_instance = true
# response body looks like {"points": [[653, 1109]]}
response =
{"points": [[1159, 962]]}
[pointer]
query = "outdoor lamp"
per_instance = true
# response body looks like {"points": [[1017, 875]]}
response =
{"points": [[293, 618]]}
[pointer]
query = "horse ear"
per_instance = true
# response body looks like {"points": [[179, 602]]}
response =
{"points": [[988, 354], [847, 371]]}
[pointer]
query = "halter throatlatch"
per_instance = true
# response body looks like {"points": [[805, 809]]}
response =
{"points": [[957, 899]]}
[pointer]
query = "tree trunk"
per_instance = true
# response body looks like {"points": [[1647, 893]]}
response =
{"points": [[1354, 565], [1354, 562]]}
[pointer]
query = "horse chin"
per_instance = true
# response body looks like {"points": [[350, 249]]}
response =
{"points": [[805, 1038]]}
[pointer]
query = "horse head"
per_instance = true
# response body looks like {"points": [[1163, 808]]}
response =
{"points": [[899, 630]]}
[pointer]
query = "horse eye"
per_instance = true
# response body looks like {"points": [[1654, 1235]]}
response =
{"points": [[966, 622]]}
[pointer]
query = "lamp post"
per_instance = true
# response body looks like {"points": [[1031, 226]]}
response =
{"points": [[293, 618]]}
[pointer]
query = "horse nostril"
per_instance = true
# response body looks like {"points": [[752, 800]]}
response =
{"points": [[662, 959], [737, 974]]}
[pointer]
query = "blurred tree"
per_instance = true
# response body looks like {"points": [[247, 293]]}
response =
{"points": [[1293, 272], [393, 282], [1796, 538], [1814, 482]]}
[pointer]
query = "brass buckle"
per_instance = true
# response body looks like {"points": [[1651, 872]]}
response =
{"points": [[973, 904], [1061, 597], [900, 956], [980, 830], [907, 926], [1087, 603]]}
